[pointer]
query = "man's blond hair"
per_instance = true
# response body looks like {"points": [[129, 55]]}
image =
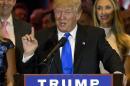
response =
{"points": [[67, 3]]}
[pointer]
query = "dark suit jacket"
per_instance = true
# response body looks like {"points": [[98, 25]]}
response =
{"points": [[90, 48], [20, 29]]}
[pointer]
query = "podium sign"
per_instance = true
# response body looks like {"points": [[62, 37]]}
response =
{"points": [[68, 80]]}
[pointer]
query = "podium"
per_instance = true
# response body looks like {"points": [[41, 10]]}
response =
{"points": [[117, 79]]}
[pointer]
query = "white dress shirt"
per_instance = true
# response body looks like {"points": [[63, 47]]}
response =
{"points": [[10, 28], [71, 38]]}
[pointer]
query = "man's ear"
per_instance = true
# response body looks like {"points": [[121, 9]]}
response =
{"points": [[79, 15], [14, 2]]}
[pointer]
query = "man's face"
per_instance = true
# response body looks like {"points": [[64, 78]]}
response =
{"points": [[20, 14], [66, 18], [46, 21], [6, 7], [105, 12]]}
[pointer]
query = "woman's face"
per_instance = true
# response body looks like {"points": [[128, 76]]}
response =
{"points": [[105, 12]]}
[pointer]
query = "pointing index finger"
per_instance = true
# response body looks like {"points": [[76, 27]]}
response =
{"points": [[32, 32]]}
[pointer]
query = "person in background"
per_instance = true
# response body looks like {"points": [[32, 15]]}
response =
{"points": [[106, 15], [20, 11], [87, 7], [7, 61], [126, 18], [36, 18], [13, 28], [48, 20], [42, 19]]}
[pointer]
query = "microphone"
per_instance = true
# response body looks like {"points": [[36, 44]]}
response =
{"points": [[60, 43]]}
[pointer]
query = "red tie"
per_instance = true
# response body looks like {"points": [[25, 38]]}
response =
{"points": [[4, 29]]}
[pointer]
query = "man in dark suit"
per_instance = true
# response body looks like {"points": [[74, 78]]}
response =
{"points": [[20, 28], [88, 45], [15, 28]]}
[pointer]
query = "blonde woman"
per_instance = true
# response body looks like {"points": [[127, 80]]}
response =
{"points": [[106, 16], [7, 61]]}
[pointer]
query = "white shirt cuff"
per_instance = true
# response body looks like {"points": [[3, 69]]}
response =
{"points": [[117, 72], [25, 59]]}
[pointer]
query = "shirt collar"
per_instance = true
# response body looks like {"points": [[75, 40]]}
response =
{"points": [[107, 31], [9, 20], [73, 33]]}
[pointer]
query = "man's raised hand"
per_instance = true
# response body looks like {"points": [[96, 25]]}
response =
{"points": [[30, 43]]}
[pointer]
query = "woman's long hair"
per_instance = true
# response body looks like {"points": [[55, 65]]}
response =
{"points": [[1, 34], [122, 39]]}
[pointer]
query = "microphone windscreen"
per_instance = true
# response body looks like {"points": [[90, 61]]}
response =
{"points": [[62, 41]]}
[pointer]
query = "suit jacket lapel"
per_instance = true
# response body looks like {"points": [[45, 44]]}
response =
{"points": [[57, 62], [17, 33], [79, 45]]}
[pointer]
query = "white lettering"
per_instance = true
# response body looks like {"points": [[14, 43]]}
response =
{"points": [[94, 82], [78, 83], [63, 82], [54, 82], [69, 82], [41, 81]]}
